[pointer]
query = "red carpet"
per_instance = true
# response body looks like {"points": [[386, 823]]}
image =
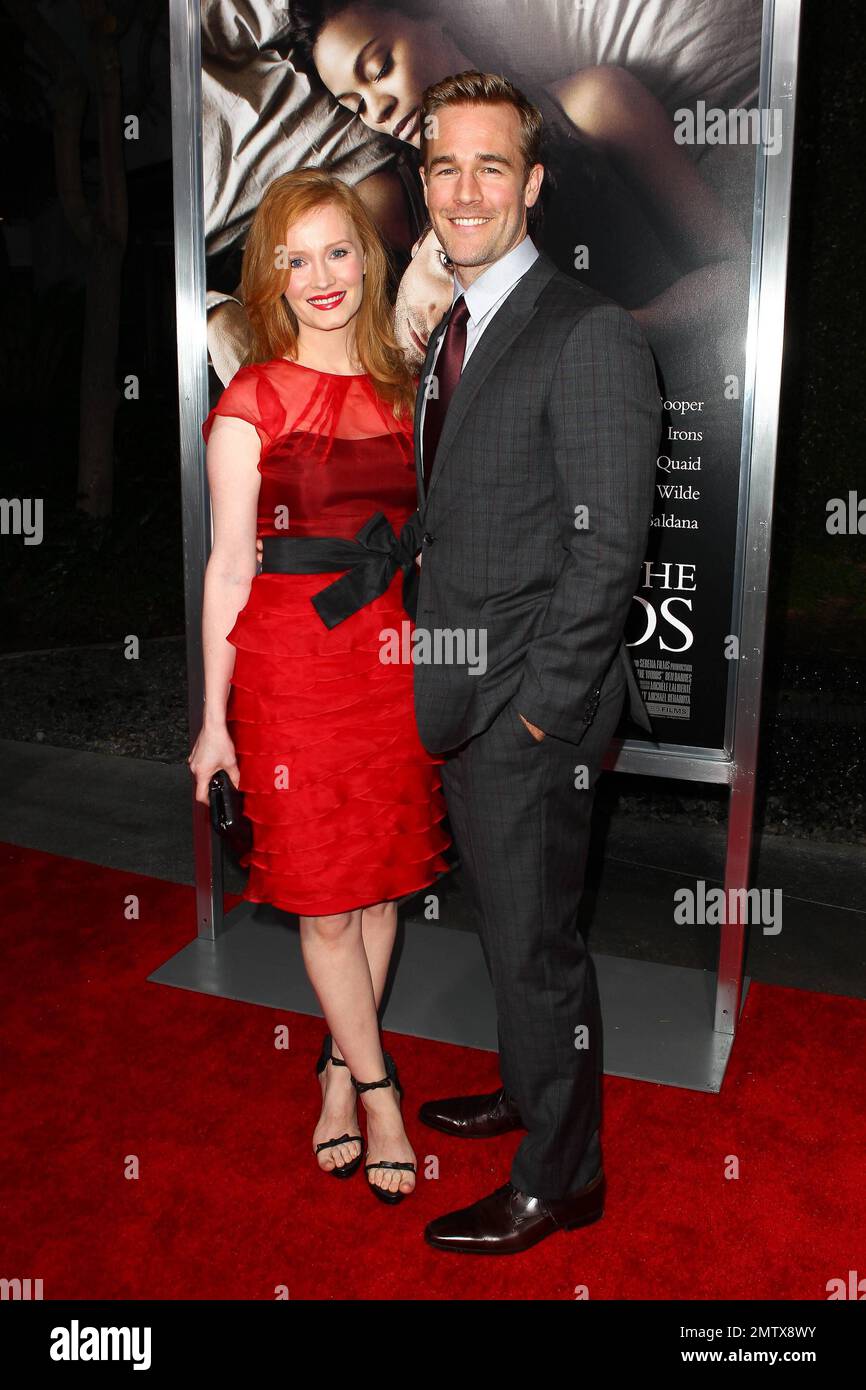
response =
{"points": [[104, 1071]]}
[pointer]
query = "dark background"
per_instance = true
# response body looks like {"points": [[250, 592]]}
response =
{"points": [[67, 605]]}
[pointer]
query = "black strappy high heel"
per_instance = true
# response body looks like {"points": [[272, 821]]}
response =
{"points": [[340, 1170], [392, 1198]]}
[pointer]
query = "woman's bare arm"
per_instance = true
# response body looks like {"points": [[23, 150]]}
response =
{"points": [[618, 115], [233, 452]]}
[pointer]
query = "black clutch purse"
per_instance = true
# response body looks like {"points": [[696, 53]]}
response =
{"points": [[227, 815]]}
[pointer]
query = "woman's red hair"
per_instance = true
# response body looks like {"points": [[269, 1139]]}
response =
{"points": [[263, 283]]}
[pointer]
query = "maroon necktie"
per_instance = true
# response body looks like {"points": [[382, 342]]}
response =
{"points": [[449, 365]]}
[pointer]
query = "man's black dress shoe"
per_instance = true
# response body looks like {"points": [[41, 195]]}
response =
{"points": [[509, 1220], [472, 1117]]}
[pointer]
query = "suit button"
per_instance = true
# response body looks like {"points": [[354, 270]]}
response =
{"points": [[428, 539]]}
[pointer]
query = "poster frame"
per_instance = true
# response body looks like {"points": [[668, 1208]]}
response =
{"points": [[735, 763]]}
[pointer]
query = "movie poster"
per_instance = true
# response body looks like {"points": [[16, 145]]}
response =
{"points": [[652, 134]]}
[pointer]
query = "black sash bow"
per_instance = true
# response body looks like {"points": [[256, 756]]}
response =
{"points": [[371, 559]]}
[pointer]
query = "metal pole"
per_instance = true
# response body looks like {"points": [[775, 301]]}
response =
{"points": [[764, 367], [186, 104]]}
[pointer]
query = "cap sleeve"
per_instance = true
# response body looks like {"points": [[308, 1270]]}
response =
{"points": [[249, 396]]}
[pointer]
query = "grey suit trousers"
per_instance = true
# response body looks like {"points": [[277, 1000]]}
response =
{"points": [[520, 812]]}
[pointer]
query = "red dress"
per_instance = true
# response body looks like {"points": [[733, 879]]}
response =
{"points": [[346, 804]]}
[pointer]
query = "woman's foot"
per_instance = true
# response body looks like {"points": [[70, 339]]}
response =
{"points": [[387, 1140], [339, 1116]]}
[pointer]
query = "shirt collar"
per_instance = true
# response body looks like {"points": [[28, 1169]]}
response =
{"points": [[497, 279]]}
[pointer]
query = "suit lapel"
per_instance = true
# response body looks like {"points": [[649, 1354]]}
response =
{"points": [[500, 333]]}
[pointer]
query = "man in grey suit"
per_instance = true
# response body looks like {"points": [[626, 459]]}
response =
{"points": [[536, 436]]}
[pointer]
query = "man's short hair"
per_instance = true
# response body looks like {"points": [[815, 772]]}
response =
{"points": [[483, 88]]}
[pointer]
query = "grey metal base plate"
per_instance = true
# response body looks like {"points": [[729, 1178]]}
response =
{"points": [[658, 1019]]}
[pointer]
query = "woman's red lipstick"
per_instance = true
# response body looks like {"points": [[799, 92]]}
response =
{"points": [[328, 301]]}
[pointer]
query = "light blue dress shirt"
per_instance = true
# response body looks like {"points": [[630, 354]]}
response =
{"points": [[483, 297]]}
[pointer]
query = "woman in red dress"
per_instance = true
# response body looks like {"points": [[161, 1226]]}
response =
{"points": [[310, 448]]}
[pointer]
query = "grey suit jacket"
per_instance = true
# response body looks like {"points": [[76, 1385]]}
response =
{"points": [[536, 515]]}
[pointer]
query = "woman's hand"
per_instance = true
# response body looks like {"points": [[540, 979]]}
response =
{"points": [[213, 749]]}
